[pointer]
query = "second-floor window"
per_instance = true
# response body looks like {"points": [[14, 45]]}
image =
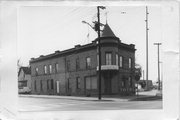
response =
{"points": [[108, 58], [50, 69], [130, 62], [116, 59], [77, 64], [68, 65], [120, 61], [36, 71], [56, 67], [45, 69], [88, 62]]}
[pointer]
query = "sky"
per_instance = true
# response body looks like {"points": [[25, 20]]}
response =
{"points": [[45, 29]]}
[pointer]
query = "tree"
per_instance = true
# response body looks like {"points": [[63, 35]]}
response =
{"points": [[138, 72]]}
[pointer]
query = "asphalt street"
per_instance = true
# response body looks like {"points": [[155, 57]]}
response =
{"points": [[68, 107], [27, 104]]}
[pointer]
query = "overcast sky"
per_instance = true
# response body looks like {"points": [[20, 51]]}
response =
{"points": [[45, 29]]}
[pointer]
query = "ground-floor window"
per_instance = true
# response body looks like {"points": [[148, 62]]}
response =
{"points": [[41, 84], [57, 86], [52, 84], [35, 85], [78, 80], [91, 83], [130, 81], [47, 84]]}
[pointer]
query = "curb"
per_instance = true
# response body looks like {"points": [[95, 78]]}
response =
{"points": [[74, 98]]}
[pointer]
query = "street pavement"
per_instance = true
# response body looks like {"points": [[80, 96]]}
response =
{"points": [[35, 104]]}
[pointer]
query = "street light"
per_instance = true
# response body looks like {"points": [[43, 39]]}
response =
{"points": [[158, 44]]}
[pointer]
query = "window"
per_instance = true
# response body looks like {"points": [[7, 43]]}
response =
{"points": [[88, 62], [35, 85], [130, 81], [41, 84], [97, 60], [52, 84], [78, 82], [91, 83], [116, 59], [47, 84], [36, 71], [130, 63], [68, 85], [45, 69], [50, 69], [68, 65], [120, 61], [56, 67], [124, 78], [108, 58], [77, 64]]}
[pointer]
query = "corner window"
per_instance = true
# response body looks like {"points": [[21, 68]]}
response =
{"points": [[108, 58], [88, 62]]}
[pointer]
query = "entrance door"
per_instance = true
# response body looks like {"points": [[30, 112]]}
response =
{"points": [[107, 82]]}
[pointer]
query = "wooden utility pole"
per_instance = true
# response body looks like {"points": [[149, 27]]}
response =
{"points": [[158, 65], [147, 47], [99, 49]]}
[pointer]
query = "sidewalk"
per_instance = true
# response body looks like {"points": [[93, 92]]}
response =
{"points": [[141, 96]]}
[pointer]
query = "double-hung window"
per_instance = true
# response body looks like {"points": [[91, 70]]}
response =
{"points": [[108, 58], [50, 69], [120, 61], [88, 62]]}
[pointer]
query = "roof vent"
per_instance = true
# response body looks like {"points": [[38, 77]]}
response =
{"points": [[77, 46], [57, 51], [132, 45], [41, 56]]}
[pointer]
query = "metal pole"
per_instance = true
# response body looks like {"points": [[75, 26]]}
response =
{"points": [[99, 51], [147, 47], [158, 64]]}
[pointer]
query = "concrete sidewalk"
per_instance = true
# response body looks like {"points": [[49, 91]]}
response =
{"points": [[94, 98]]}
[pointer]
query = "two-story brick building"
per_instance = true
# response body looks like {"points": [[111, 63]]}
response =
{"points": [[74, 71]]}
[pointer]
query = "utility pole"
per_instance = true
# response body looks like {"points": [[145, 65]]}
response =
{"points": [[147, 47], [158, 65], [99, 48]]}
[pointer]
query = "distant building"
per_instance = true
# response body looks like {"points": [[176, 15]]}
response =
{"points": [[74, 71], [24, 77]]}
